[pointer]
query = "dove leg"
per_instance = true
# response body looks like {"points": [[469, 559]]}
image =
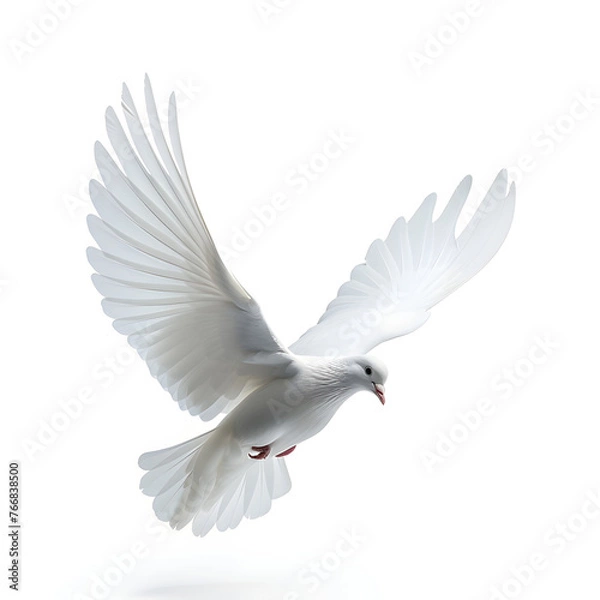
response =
{"points": [[262, 452], [286, 452]]}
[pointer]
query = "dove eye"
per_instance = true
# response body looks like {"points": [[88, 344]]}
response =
{"points": [[368, 370]]}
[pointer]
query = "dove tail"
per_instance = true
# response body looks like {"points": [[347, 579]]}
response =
{"points": [[211, 480]]}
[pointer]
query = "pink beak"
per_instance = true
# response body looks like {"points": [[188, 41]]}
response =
{"points": [[380, 391]]}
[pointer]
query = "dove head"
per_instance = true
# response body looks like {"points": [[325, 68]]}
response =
{"points": [[370, 374]]}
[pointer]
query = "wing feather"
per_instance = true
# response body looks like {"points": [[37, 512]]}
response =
{"points": [[419, 263], [164, 284]]}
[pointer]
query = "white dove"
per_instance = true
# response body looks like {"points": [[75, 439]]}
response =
{"points": [[204, 337]]}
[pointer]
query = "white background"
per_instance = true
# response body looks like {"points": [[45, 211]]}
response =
{"points": [[258, 97]]}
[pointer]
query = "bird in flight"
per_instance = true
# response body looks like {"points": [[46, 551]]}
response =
{"points": [[204, 337]]}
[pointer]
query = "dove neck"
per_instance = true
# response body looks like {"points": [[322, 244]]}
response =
{"points": [[338, 375]]}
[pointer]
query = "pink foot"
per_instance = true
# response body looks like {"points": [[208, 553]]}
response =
{"points": [[262, 452], [286, 452]]}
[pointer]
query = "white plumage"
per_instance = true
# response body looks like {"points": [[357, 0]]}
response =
{"points": [[205, 340], [418, 265]]}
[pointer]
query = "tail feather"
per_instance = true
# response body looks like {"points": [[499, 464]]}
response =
{"points": [[209, 480], [156, 458]]}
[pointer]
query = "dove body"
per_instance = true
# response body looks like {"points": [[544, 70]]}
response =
{"points": [[286, 412]]}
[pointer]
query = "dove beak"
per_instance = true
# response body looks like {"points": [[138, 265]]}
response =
{"points": [[380, 392]]}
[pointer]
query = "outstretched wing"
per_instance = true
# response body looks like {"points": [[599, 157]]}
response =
{"points": [[419, 263], [165, 286]]}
